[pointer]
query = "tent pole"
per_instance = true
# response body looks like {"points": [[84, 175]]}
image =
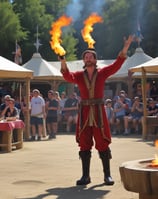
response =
{"points": [[144, 125], [27, 119]]}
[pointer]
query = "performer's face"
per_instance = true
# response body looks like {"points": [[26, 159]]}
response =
{"points": [[89, 60]]}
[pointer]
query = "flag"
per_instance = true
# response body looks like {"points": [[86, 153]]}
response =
{"points": [[17, 57], [139, 36]]}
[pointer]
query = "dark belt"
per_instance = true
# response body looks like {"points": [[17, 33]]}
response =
{"points": [[91, 102]]}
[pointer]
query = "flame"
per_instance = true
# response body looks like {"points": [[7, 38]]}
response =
{"points": [[56, 33], [154, 162], [88, 28], [156, 143]]}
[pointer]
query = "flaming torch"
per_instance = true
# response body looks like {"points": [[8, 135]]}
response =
{"points": [[56, 32], [88, 28]]}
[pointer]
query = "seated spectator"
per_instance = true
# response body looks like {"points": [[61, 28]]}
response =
{"points": [[126, 101], [135, 116], [109, 112], [120, 112], [71, 111], [5, 103], [10, 111], [152, 108]]}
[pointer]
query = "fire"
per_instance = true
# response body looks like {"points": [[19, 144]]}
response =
{"points": [[56, 33], [88, 28], [154, 162]]}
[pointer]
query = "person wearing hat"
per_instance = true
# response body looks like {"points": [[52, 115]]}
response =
{"points": [[92, 120], [10, 111], [37, 114], [4, 104]]}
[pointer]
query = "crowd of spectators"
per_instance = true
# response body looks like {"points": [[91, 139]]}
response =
{"points": [[125, 115], [49, 114]]}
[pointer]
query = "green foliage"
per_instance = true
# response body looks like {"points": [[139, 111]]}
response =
{"points": [[116, 22], [20, 18], [70, 42], [11, 29], [41, 13]]}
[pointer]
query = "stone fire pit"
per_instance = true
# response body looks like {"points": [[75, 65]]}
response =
{"points": [[138, 176]]}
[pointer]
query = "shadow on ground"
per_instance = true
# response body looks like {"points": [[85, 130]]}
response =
{"points": [[76, 192]]}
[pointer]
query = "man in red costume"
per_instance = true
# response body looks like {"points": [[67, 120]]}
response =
{"points": [[92, 120]]}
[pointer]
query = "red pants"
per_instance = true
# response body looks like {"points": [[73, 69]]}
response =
{"points": [[86, 139]]}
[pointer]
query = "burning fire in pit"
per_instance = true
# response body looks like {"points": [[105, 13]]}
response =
{"points": [[56, 34], [141, 176], [154, 163], [88, 28]]}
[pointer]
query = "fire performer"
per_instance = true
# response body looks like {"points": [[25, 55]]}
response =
{"points": [[92, 120]]}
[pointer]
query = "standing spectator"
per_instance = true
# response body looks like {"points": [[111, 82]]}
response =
{"points": [[52, 106], [71, 111], [57, 95], [37, 114], [61, 106], [109, 112]]}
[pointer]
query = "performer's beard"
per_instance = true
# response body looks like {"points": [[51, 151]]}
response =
{"points": [[90, 64]]}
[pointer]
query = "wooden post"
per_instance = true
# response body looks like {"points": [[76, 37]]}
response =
{"points": [[27, 119], [144, 135]]}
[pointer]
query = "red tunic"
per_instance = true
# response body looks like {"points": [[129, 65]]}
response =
{"points": [[101, 135]]}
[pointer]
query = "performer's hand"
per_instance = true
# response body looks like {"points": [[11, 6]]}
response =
{"points": [[64, 68], [61, 58], [127, 43]]}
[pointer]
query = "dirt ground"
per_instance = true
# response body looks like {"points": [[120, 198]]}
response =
{"points": [[49, 169]]}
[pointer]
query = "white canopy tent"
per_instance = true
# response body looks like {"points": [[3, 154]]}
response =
{"points": [[137, 58], [149, 66], [42, 69], [10, 70]]}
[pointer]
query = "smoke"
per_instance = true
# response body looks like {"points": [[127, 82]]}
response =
{"points": [[140, 8], [74, 9], [80, 9]]}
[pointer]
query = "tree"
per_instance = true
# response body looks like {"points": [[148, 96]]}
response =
{"points": [[150, 27], [32, 14], [11, 30], [41, 13]]}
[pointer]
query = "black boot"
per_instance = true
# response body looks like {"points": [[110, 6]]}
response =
{"points": [[85, 158], [105, 156]]}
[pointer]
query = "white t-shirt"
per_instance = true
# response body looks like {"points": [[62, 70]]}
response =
{"points": [[37, 104]]}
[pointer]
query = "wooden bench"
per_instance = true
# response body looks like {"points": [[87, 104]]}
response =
{"points": [[151, 121], [11, 135]]}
